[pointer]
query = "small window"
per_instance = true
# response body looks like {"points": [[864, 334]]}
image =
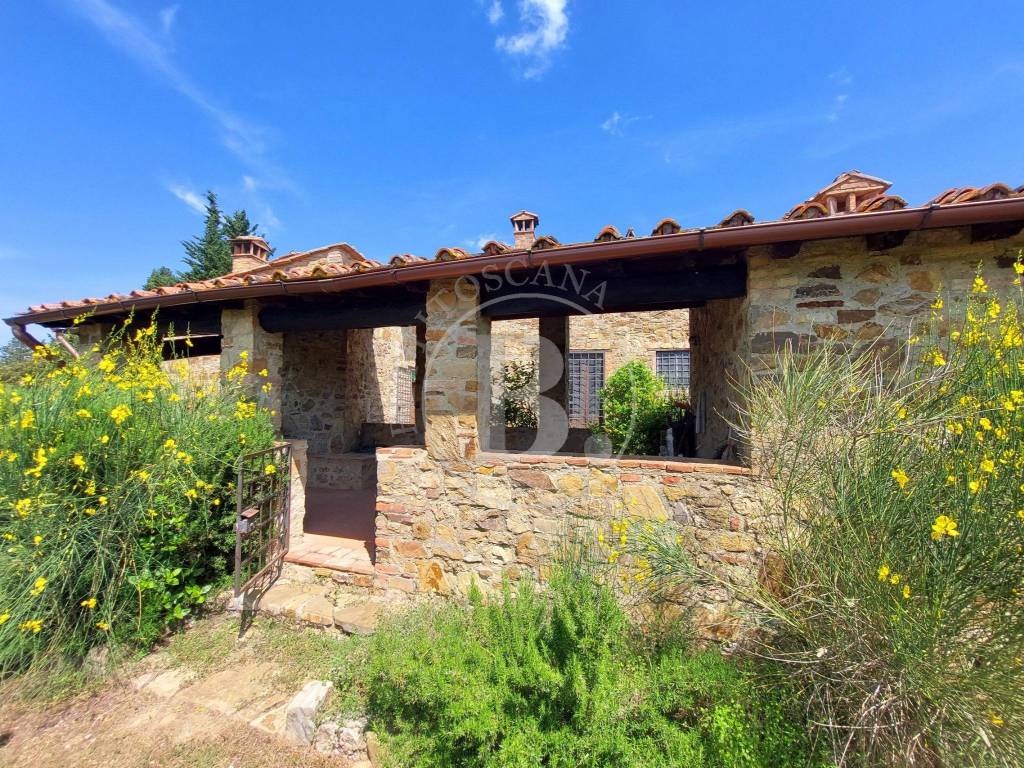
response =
{"points": [[673, 367], [586, 377]]}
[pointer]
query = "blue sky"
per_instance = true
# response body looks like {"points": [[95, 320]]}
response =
{"points": [[407, 126]]}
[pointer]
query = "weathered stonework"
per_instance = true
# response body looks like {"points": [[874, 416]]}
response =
{"points": [[443, 525], [241, 332], [842, 290]]}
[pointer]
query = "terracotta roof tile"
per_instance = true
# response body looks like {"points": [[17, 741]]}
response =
{"points": [[807, 211], [881, 202], [544, 242], [405, 259], [738, 218], [341, 259], [450, 254], [495, 248], [666, 227]]}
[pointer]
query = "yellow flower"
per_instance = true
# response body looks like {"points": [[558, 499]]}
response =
{"points": [[883, 572], [169, 443], [23, 507], [996, 719], [103, 625], [40, 459], [270, 469], [1018, 267], [937, 304], [40, 585], [4, 617], [985, 422], [28, 420], [264, 373], [900, 477], [987, 465], [895, 579], [980, 286], [937, 359], [90, 511], [78, 461], [106, 364], [944, 526], [37, 539], [32, 625], [104, 439], [974, 486], [192, 494], [83, 413], [90, 603], [90, 488], [906, 591], [120, 413], [102, 500]]}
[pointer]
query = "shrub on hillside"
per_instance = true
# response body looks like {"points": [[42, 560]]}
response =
{"points": [[560, 678], [518, 404], [115, 498], [635, 410], [899, 611]]}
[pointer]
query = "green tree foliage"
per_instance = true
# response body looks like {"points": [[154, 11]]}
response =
{"points": [[208, 255], [518, 404], [636, 410], [160, 278], [15, 361], [561, 678], [238, 225]]}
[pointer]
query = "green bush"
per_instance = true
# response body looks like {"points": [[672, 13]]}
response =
{"points": [[636, 410], [518, 404], [561, 679], [115, 499]]}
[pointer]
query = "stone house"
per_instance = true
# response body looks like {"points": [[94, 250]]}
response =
{"points": [[442, 498]]}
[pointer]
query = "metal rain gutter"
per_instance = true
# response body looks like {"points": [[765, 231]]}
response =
{"points": [[848, 225]]}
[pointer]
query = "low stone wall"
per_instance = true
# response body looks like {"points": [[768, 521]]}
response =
{"points": [[343, 471], [442, 525]]}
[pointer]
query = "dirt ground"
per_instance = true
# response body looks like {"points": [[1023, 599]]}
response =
{"points": [[204, 725]]}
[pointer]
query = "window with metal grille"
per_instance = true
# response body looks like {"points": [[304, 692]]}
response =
{"points": [[405, 411], [586, 377], [673, 367]]}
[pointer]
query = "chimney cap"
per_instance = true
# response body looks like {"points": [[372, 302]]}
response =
{"points": [[524, 215]]}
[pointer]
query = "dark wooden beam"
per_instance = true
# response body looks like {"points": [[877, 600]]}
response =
{"points": [[393, 309], [554, 292], [1000, 230]]}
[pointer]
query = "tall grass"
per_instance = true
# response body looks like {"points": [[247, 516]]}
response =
{"points": [[115, 498]]}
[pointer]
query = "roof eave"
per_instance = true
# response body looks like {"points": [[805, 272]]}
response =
{"points": [[766, 233]]}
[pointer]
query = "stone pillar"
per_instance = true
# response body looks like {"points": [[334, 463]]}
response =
{"points": [[417, 384], [91, 335], [299, 474], [553, 379], [241, 332], [456, 387]]}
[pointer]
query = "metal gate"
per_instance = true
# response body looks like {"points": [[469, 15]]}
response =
{"points": [[262, 516]]}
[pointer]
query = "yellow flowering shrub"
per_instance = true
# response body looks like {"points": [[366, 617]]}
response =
{"points": [[901, 536], [116, 489]]}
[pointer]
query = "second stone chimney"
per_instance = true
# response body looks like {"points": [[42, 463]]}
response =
{"points": [[524, 229], [248, 252]]}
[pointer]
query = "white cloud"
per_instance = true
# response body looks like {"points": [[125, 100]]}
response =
{"points": [[611, 125], [546, 26], [480, 241], [266, 218], [239, 134], [250, 183], [495, 12], [189, 197], [167, 18], [842, 80]]}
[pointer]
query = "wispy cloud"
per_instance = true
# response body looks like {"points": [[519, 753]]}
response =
{"points": [[188, 196], [239, 134], [495, 12], [167, 18], [617, 123], [479, 241], [842, 80], [545, 27]]}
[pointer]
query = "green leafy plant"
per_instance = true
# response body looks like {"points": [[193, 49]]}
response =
{"points": [[561, 678], [636, 410], [518, 404], [115, 498]]}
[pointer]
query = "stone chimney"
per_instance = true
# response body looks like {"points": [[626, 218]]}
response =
{"points": [[248, 252], [524, 229]]}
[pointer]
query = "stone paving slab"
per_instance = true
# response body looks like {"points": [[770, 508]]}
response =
{"points": [[316, 604]]}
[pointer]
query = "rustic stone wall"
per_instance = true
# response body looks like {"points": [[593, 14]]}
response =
{"points": [[241, 332], [717, 363], [316, 404], [201, 372], [393, 349], [440, 525], [860, 292]]}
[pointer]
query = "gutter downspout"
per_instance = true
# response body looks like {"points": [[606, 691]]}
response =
{"points": [[26, 338]]}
